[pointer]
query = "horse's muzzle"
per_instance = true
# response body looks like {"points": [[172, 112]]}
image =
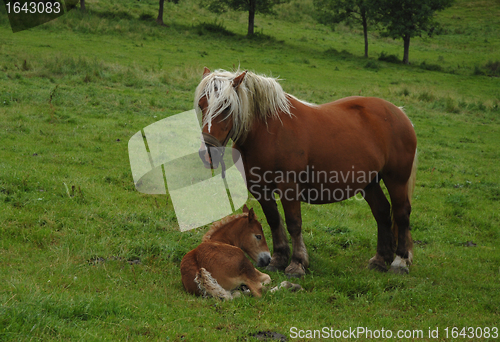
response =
{"points": [[215, 154], [202, 153], [264, 259]]}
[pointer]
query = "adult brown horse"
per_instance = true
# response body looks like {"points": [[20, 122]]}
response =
{"points": [[316, 154], [219, 265]]}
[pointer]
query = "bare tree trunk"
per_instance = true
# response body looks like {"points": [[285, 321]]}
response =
{"points": [[365, 33], [251, 17], [406, 40], [82, 6], [159, 20]]}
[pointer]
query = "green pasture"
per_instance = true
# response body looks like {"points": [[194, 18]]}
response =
{"points": [[84, 256]]}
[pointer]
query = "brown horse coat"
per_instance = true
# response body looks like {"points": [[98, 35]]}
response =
{"points": [[219, 265], [227, 264], [355, 142]]}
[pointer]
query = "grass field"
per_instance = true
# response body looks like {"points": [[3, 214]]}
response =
{"points": [[84, 256]]}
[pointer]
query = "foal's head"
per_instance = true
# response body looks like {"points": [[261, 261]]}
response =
{"points": [[243, 231], [252, 239]]}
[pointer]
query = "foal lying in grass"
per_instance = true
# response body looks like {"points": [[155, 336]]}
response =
{"points": [[219, 265]]}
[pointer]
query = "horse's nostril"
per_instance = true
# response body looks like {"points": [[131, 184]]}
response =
{"points": [[264, 260]]}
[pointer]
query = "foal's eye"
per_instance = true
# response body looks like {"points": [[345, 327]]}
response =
{"points": [[259, 237]]}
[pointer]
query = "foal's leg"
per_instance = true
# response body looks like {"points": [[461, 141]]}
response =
{"points": [[263, 278], [401, 209], [253, 279], [281, 249], [386, 241], [300, 259]]}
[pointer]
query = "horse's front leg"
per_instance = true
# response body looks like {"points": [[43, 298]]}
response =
{"points": [[300, 258], [281, 249]]}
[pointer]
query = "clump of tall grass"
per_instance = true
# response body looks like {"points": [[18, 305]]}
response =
{"points": [[451, 106], [426, 96], [68, 65], [372, 65], [388, 58], [215, 27], [493, 68], [296, 11], [431, 67]]}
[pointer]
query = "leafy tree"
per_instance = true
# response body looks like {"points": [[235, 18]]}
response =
{"points": [[349, 11], [252, 6], [409, 18]]}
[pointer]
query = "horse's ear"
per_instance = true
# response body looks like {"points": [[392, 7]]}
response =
{"points": [[251, 215], [206, 72], [245, 208], [238, 79]]}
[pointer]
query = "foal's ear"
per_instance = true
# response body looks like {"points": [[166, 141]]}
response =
{"points": [[245, 208], [238, 79], [251, 215], [206, 72]]}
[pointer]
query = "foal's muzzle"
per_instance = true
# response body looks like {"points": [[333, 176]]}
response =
{"points": [[264, 259]]}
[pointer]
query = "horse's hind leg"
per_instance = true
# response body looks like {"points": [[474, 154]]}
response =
{"points": [[281, 249], [386, 241], [300, 258], [401, 209]]}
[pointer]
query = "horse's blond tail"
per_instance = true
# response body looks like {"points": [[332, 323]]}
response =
{"points": [[209, 286], [411, 187]]}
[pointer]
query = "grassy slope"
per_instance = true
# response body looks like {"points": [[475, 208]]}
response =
{"points": [[111, 77]]}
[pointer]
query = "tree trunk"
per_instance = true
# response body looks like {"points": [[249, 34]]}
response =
{"points": [[159, 20], [82, 6], [365, 32], [406, 40], [251, 17]]}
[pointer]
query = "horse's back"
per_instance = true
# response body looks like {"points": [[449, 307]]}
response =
{"points": [[370, 119]]}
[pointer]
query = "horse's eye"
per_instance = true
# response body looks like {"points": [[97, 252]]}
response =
{"points": [[259, 237]]}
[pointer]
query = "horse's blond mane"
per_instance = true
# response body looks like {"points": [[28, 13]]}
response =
{"points": [[257, 97], [219, 224]]}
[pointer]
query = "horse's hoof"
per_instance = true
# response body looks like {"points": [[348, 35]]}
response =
{"points": [[377, 263], [291, 286], [377, 267], [399, 270], [295, 270], [400, 266], [273, 268]]}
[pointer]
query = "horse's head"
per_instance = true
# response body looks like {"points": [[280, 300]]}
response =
{"points": [[216, 119], [252, 240]]}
